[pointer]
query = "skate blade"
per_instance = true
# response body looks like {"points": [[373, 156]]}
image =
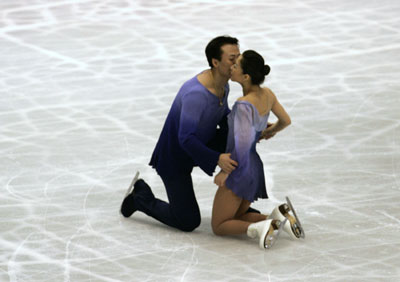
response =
{"points": [[270, 239], [299, 226], [130, 188]]}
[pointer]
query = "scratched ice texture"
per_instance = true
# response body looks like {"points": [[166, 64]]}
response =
{"points": [[85, 88]]}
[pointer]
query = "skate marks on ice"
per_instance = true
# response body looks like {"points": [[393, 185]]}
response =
{"points": [[86, 86]]}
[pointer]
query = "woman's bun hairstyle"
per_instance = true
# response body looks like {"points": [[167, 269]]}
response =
{"points": [[267, 69], [253, 64]]}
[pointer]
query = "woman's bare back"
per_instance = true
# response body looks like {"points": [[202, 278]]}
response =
{"points": [[263, 101]]}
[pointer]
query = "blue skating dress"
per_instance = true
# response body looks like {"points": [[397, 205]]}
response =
{"points": [[245, 126]]}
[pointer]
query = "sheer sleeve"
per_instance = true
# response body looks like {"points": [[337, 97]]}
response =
{"points": [[243, 134]]}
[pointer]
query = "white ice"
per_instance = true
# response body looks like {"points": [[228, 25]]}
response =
{"points": [[85, 86]]}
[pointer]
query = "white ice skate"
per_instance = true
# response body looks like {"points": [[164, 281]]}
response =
{"points": [[267, 231], [130, 188], [292, 225]]}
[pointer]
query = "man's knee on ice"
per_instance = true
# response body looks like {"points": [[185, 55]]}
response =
{"points": [[188, 224]]}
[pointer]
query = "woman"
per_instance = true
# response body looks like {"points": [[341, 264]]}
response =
{"points": [[247, 125]]}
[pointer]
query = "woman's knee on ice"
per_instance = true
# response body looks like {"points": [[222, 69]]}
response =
{"points": [[216, 227], [216, 230]]}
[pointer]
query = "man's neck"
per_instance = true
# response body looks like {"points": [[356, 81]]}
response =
{"points": [[219, 81]]}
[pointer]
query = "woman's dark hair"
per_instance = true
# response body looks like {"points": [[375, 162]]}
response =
{"points": [[213, 49], [253, 64]]}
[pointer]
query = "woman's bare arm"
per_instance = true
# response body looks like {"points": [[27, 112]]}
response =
{"points": [[283, 119]]}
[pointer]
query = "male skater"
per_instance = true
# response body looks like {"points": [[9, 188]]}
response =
{"points": [[190, 137]]}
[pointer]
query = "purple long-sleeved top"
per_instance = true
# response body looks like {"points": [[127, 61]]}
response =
{"points": [[191, 124]]}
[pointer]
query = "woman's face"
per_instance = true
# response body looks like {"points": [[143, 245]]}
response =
{"points": [[236, 70]]}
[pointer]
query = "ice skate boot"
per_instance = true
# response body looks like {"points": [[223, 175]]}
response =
{"points": [[292, 225], [127, 204], [267, 231]]}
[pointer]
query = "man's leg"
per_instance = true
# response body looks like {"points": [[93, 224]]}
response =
{"points": [[182, 211]]}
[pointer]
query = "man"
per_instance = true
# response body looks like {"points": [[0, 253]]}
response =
{"points": [[190, 138]]}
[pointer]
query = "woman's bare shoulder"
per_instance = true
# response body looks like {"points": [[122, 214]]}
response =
{"points": [[248, 99], [243, 98], [269, 93], [267, 90]]}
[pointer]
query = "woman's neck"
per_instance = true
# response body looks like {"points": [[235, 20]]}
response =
{"points": [[251, 89]]}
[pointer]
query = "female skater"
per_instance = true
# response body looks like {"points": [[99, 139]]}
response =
{"points": [[247, 125]]}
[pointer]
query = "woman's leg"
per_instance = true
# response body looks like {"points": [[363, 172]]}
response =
{"points": [[226, 206], [244, 214], [252, 217]]}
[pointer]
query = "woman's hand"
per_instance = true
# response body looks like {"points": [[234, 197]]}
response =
{"points": [[268, 132], [267, 135], [220, 178]]}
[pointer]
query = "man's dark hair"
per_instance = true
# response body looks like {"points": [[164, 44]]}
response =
{"points": [[252, 64], [213, 49]]}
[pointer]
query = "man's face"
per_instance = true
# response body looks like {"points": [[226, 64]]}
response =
{"points": [[229, 55]]}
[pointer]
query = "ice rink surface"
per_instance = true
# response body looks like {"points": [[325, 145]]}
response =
{"points": [[86, 86]]}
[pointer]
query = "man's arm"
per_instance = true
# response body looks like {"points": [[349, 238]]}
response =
{"points": [[193, 107]]}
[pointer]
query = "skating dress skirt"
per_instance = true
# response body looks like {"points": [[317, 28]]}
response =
{"points": [[245, 126]]}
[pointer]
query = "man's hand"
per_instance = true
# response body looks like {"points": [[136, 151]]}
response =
{"points": [[220, 178], [226, 163]]}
